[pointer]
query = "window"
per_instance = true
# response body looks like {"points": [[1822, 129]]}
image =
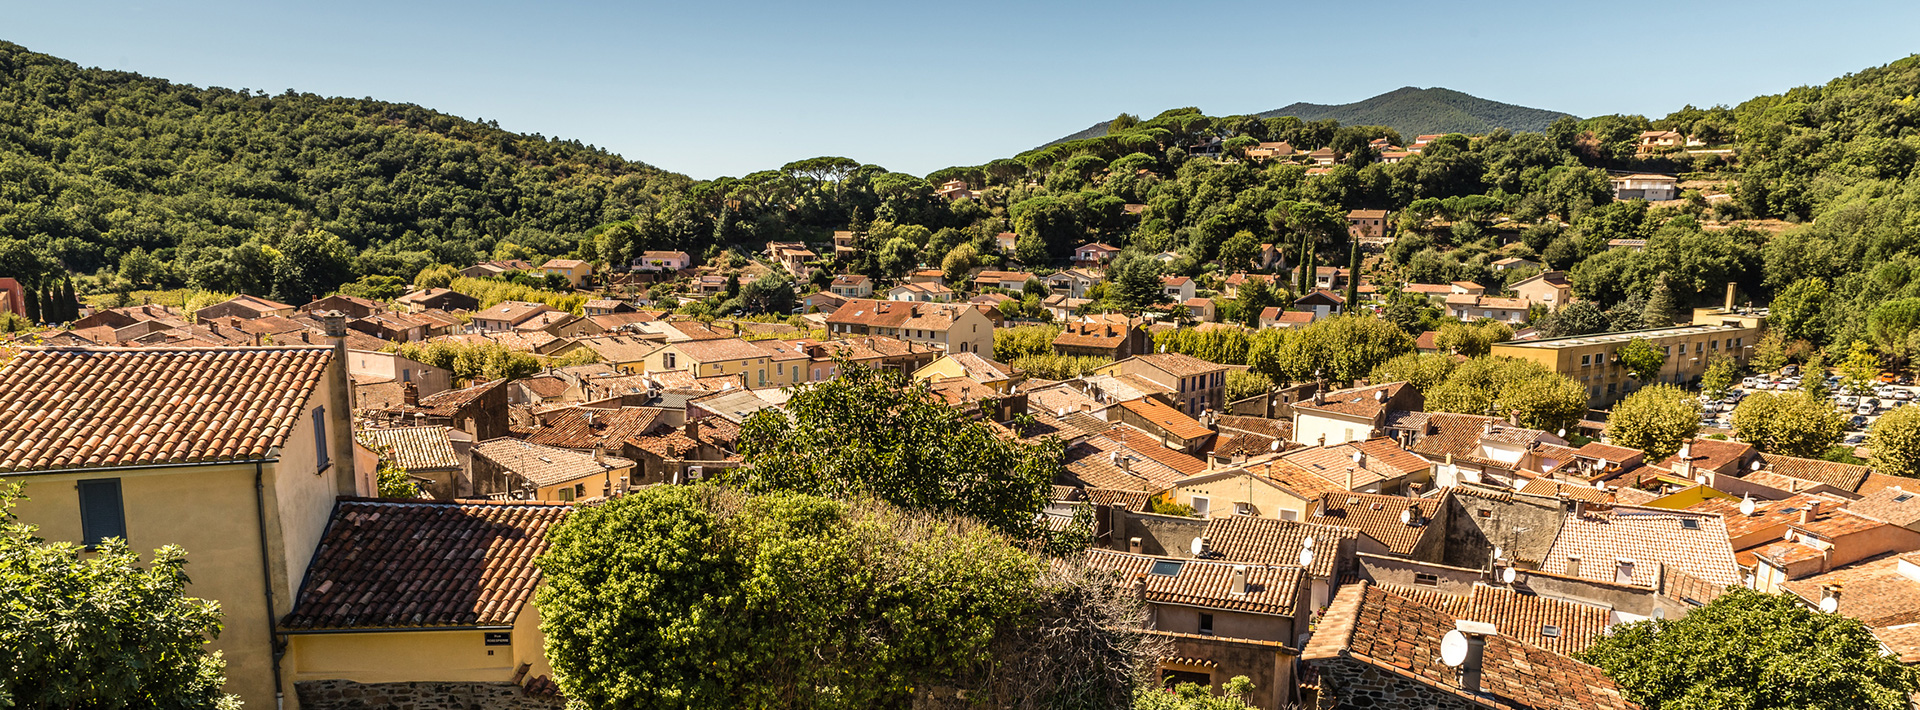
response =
{"points": [[1486, 512], [406, 375], [579, 490], [566, 494], [1206, 624], [320, 437], [1550, 631], [101, 516], [779, 369], [1166, 568], [1690, 523], [1243, 508], [1586, 360], [1289, 515], [1423, 579], [1902, 498], [1699, 348], [1201, 506], [670, 361]]}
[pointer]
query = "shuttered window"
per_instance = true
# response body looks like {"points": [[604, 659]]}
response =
{"points": [[320, 437], [101, 516]]}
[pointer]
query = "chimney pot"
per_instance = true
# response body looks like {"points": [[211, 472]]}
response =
{"points": [[1808, 513], [335, 323], [410, 394], [1239, 580], [1133, 545]]}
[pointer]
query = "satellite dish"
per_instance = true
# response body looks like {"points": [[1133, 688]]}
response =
{"points": [[1659, 613], [1453, 648], [1199, 546], [1746, 505], [1499, 553], [1603, 463], [1061, 412], [1306, 557], [1356, 457], [1508, 575], [1275, 446], [1563, 432], [1406, 516], [1830, 604], [1789, 536], [1756, 465]]}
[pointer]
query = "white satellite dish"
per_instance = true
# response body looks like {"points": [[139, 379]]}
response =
{"points": [[1453, 648], [1306, 557], [1275, 446], [1757, 465], [1061, 412], [1307, 543], [1499, 553], [1406, 516], [1830, 604], [1603, 463], [1356, 456], [1746, 505], [1563, 432], [1199, 546], [1789, 536], [1508, 575]]}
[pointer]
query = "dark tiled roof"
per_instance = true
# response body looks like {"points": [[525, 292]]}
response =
{"points": [[1271, 428], [385, 564], [1276, 542], [1178, 364], [545, 386], [1379, 516], [1206, 584], [585, 428], [1519, 615], [1370, 625], [1124, 499], [72, 408], [1367, 402]]}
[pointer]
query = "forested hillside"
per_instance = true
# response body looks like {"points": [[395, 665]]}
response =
{"points": [[1409, 110], [1414, 111], [96, 165]]}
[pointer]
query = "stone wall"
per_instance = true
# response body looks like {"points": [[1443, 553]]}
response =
{"points": [[1347, 684], [1523, 526], [348, 695]]}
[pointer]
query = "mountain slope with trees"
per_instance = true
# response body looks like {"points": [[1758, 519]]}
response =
{"points": [[1410, 110]]}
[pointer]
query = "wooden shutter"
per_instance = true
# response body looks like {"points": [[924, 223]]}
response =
{"points": [[101, 516], [320, 436]]}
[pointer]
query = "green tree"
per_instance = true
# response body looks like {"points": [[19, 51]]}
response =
{"points": [[1242, 384], [1235, 694], [102, 629], [1662, 307], [1236, 254], [140, 268], [1341, 349], [959, 262], [1422, 370], [771, 294], [1576, 318], [1257, 295], [1655, 419], [310, 264], [1799, 311], [1010, 344], [702, 597], [1722, 371], [1472, 339], [1858, 371], [436, 276], [1895, 439], [1752, 651], [1771, 353], [1641, 360], [1788, 423], [876, 433], [1135, 282], [1353, 277], [1501, 386], [394, 482], [1813, 377]]}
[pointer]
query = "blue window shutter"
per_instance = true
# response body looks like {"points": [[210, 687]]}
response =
{"points": [[101, 516], [320, 436]]}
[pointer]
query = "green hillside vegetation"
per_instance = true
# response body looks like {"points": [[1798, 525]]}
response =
{"points": [[1409, 110], [1414, 111]]}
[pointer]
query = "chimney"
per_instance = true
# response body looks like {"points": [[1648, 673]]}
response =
{"points": [[1323, 441], [410, 394], [600, 454], [1133, 545], [1573, 565], [1808, 513], [1239, 580], [691, 429], [1476, 633], [1140, 585], [1729, 305]]}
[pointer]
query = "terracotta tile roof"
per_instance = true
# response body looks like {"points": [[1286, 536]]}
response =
{"points": [[1903, 640], [449, 402], [1270, 428], [1276, 542], [1447, 433], [1846, 477], [1137, 501], [413, 448], [545, 386], [1101, 461], [1875, 591], [1301, 482], [387, 564], [1204, 583], [1650, 537], [1168, 418], [980, 368], [1894, 504], [512, 311], [1364, 402], [1384, 460], [1150, 446], [1556, 489], [1519, 615], [79, 407], [705, 351], [1178, 364], [1379, 516], [1766, 513], [1712, 454], [1082, 334], [869, 347], [545, 465], [583, 428], [1370, 625], [1836, 524]]}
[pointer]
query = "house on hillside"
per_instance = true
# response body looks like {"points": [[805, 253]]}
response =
{"points": [[1643, 186], [1547, 288]]}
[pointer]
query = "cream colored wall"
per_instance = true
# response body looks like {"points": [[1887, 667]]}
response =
{"points": [[529, 644], [209, 511], [1307, 429], [593, 482], [399, 656], [1268, 501]]}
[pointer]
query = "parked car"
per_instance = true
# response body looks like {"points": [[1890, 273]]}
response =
{"points": [[1847, 400], [1864, 409], [1857, 422], [1790, 370], [1903, 395], [1888, 378], [1855, 439]]}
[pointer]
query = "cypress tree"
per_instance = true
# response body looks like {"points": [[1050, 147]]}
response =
{"points": [[1353, 276], [67, 299], [33, 300]]}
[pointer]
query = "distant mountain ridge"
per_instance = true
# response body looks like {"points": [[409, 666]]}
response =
{"points": [[1410, 110]]}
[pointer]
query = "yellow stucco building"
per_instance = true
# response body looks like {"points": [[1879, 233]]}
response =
{"points": [[1593, 360], [235, 454]]}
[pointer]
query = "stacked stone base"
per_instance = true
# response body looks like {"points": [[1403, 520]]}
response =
{"points": [[348, 695]]}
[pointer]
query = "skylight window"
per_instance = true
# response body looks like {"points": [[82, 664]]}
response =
{"points": [[1550, 631], [1690, 523], [1167, 568], [1902, 498]]}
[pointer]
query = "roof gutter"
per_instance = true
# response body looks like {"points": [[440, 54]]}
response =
{"points": [[137, 467], [274, 647], [392, 629]]}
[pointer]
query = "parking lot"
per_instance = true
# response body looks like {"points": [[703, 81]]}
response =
{"points": [[1861, 410]]}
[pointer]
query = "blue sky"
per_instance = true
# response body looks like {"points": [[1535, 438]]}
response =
{"points": [[726, 87]]}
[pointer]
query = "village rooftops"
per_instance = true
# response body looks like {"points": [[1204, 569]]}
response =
{"points": [[1882, 592], [1554, 624], [1172, 420], [1894, 504], [1401, 637], [546, 465], [413, 448], [1207, 584], [1631, 545], [101, 407], [385, 564], [1395, 521], [1276, 542], [1364, 402]]}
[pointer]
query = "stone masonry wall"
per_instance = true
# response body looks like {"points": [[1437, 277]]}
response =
{"points": [[1351, 685], [348, 695]]}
